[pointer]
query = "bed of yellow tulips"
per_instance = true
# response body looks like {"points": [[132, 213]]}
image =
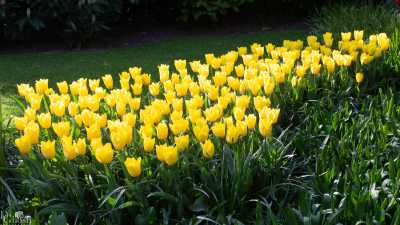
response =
{"points": [[224, 97]]}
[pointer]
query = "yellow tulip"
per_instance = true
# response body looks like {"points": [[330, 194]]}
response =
{"points": [[194, 89], [242, 50], [154, 89], [164, 72], [265, 127], [134, 103], [181, 89], [213, 113], [124, 83], [219, 78], [41, 86], [160, 152], [93, 84], [137, 89], [359, 77], [108, 81], [300, 71], [88, 117], [294, 81], [358, 34], [95, 144], [74, 88], [251, 121], [78, 119], [270, 47], [44, 120], [133, 166], [30, 114], [104, 154], [180, 64], [269, 86], [118, 140], [48, 149], [80, 146], [194, 65], [328, 39], [182, 142], [346, 36], [23, 144], [110, 100], [232, 134], [121, 108], [93, 131], [241, 128], [365, 59], [73, 109], [208, 149], [201, 132], [146, 130], [130, 119], [254, 87], [204, 70], [239, 69], [32, 131], [148, 144], [20, 122], [62, 128], [146, 79], [35, 101], [58, 108], [121, 135], [260, 102], [93, 103], [238, 113], [162, 131], [280, 77], [170, 155], [24, 90], [383, 41], [68, 148], [179, 126], [63, 87], [218, 129], [135, 71], [315, 69]]}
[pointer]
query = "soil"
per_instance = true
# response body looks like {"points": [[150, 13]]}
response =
{"points": [[129, 35]]}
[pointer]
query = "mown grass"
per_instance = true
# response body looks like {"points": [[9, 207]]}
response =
{"points": [[58, 66]]}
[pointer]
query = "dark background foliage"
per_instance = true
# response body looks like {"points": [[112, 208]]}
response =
{"points": [[83, 19]]}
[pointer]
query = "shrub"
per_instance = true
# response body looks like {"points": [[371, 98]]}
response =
{"points": [[195, 10], [20, 19]]}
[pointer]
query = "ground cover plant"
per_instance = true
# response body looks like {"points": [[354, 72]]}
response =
{"points": [[204, 145]]}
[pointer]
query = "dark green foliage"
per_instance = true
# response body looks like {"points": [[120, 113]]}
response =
{"points": [[20, 19], [213, 9], [83, 19]]}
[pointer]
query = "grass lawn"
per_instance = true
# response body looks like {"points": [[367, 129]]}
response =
{"points": [[58, 66]]}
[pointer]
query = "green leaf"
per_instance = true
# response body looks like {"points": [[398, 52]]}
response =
{"points": [[163, 195], [58, 219]]}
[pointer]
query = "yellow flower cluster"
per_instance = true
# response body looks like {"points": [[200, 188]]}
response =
{"points": [[226, 97]]}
